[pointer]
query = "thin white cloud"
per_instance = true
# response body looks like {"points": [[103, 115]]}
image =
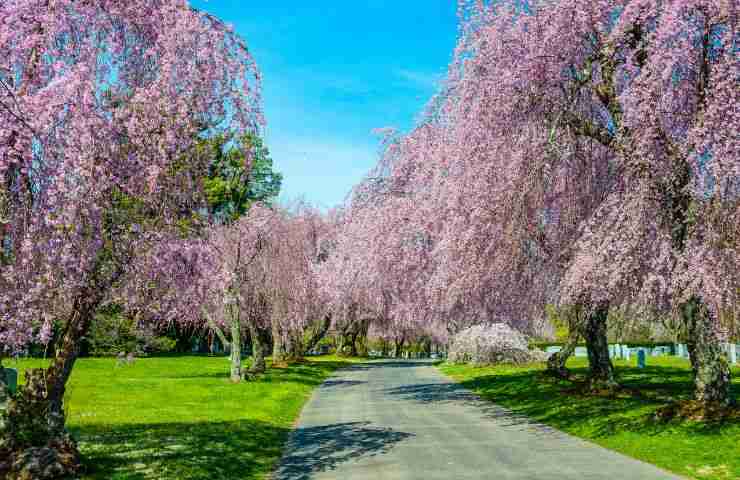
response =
{"points": [[322, 169], [418, 78]]}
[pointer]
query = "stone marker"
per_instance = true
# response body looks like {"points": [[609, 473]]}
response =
{"points": [[641, 358], [581, 352], [625, 352], [11, 379]]}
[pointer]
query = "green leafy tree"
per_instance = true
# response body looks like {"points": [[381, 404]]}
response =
{"points": [[241, 173]]}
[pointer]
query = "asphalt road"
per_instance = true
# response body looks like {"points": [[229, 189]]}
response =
{"points": [[391, 420]]}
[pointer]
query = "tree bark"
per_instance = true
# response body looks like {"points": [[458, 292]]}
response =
{"points": [[601, 370], [279, 349], [384, 348], [37, 412], [398, 345], [711, 370], [556, 362], [236, 348], [318, 333], [258, 350], [347, 338], [68, 351], [360, 339]]}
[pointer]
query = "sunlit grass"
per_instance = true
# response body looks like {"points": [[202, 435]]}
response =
{"points": [[695, 450], [181, 418]]}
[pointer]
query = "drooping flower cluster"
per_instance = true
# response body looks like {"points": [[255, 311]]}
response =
{"points": [[100, 105], [579, 153]]}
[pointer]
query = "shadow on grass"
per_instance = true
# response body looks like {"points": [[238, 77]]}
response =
{"points": [[193, 451], [308, 373], [530, 394], [323, 448]]}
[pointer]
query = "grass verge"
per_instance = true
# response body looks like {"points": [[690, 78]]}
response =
{"points": [[181, 418], [696, 450]]}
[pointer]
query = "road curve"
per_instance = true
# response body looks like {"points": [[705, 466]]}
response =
{"points": [[404, 420]]}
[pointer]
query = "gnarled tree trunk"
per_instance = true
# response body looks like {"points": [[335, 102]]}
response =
{"points": [[35, 436], [601, 370], [318, 332], [556, 362], [711, 370]]}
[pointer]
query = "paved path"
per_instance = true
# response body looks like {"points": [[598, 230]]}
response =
{"points": [[399, 420]]}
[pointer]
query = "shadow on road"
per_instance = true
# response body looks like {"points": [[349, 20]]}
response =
{"points": [[455, 392], [341, 383], [432, 392], [317, 449], [393, 364]]}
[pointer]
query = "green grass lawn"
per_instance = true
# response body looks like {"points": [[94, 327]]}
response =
{"points": [[691, 449], [181, 418]]}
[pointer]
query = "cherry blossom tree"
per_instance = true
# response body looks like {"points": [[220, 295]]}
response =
{"points": [[592, 134], [294, 250], [576, 154], [103, 101], [215, 282]]}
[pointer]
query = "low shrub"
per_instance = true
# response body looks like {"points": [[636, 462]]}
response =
{"points": [[492, 344]]}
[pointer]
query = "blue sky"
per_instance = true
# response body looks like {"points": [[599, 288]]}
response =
{"points": [[334, 70]]}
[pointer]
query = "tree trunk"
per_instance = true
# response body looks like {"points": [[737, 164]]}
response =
{"points": [[601, 370], [279, 349], [236, 348], [295, 347], [711, 370], [384, 348], [318, 333], [35, 436], [427, 347], [556, 362], [347, 338], [258, 350], [359, 340], [351, 342], [398, 345]]}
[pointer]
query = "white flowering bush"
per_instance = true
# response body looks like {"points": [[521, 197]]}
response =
{"points": [[492, 344]]}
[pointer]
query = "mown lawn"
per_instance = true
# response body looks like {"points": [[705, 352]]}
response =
{"points": [[695, 450], [181, 418]]}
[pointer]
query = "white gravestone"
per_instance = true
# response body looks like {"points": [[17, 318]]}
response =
{"points": [[732, 353], [625, 352]]}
